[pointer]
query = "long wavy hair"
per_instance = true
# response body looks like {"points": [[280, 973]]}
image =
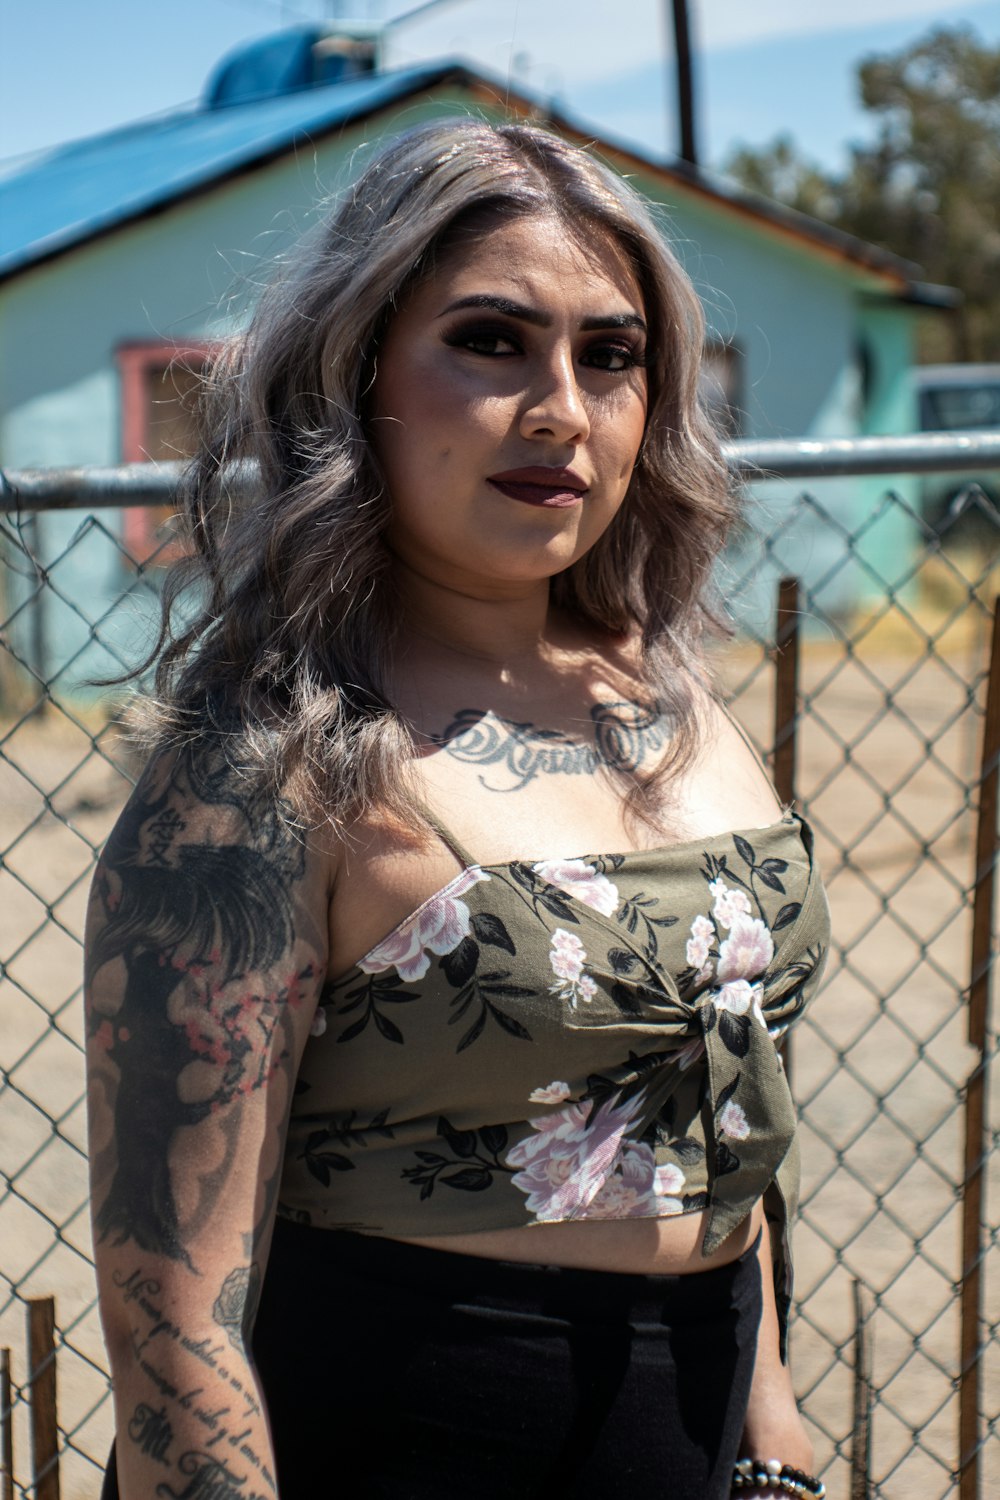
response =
{"points": [[287, 652]]}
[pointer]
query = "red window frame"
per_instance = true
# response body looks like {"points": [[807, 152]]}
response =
{"points": [[135, 363]]}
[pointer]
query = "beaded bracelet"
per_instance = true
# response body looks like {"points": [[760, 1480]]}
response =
{"points": [[757, 1474]]}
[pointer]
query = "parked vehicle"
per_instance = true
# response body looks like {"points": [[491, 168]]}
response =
{"points": [[958, 398]]}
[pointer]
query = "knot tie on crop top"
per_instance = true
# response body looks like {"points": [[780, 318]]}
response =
{"points": [[565, 1039]]}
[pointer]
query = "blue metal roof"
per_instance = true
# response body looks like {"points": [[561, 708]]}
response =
{"points": [[76, 192], [65, 197]]}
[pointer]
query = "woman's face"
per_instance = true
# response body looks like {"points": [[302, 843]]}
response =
{"points": [[509, 404]]}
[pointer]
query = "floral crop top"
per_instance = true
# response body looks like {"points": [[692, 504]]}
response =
{"points": [[587, 1038]]}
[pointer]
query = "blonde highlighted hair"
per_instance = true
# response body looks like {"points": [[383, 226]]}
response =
{"points": [[288, 653]]}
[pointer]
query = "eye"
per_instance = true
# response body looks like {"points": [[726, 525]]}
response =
{"points": [[493, 343], [615, 357]]}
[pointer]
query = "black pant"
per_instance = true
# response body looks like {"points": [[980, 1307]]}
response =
{"points": [[394, 1372]]}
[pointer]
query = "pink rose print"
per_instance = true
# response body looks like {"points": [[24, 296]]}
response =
{"points": [[617, 1199], [728, 904], [700, 942], [567, 956], [639, 1189], [743, 955], [747, 951], [436, 927], [733, 1122], [739, 996], [736, 996], [581, 881], [566, 1161], [668, 1181], [556, 1092]]}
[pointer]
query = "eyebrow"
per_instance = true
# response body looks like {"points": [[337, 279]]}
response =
{"points": [[539, 319]]}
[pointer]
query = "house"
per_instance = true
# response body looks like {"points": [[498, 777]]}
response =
{"points": [[123, 256]]}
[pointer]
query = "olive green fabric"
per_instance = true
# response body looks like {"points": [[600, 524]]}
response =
{"points": [[566, 1039]]}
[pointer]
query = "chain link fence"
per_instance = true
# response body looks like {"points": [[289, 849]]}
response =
{"points": [[894, 629]]}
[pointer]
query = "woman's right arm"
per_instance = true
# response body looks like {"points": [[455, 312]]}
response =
{"points": [[206, 954]]}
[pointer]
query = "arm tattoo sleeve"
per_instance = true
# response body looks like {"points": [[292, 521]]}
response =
{"points": [[203, 933]]}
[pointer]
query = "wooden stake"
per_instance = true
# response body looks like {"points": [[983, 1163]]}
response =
{"points": [[786, 708], [42, 1396], [6, 1426], [786, 688], [861, 1441], [976, 1124]]}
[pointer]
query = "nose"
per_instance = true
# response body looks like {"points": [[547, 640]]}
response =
{"points": [[554, 407]]}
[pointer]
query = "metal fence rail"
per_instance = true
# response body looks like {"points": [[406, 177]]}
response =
{"points": [[27, 490], [893, 622]]}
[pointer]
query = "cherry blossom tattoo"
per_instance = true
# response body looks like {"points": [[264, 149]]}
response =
{"points": [[195, 923]]}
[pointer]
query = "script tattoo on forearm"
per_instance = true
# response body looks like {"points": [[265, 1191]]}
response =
{"points": [[189, 922], [219, 1399], [625, 735], [151, 1431], [210, 1479]]}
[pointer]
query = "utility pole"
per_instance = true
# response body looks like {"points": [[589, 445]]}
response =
{"points": [[685, 83]]}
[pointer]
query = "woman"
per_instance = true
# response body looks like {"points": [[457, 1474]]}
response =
{"points": [[509, 1161]]}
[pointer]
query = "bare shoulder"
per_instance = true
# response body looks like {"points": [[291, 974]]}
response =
{"points": [[727, 786]]}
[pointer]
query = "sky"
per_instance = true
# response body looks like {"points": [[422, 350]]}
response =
{"points": [[70, 68]]}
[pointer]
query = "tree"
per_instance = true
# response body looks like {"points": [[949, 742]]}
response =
{"points": [[778, 171], [927, 188]]}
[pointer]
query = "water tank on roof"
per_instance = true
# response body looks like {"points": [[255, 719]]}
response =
{"points": [[303, 58]]}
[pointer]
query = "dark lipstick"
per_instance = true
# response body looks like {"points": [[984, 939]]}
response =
{"points": [[538, 485]]}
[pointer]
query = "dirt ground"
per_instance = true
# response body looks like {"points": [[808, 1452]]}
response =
{"points": [[878, 1067]]}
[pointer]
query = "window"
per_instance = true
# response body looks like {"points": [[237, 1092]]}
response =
{"points": [[160, 385], [957, 404]]}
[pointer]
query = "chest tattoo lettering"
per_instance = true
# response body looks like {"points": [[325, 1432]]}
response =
{"points": [[626, 735]]}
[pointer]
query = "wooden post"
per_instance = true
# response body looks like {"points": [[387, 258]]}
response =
{"points": [[861, 1442], [6, 1426], [786, 688], [42, 1397], [786, 707], [976, 1124]]}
